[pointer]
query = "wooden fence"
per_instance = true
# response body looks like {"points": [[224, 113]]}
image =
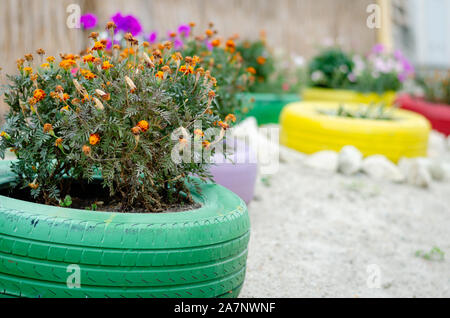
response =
{"points": [[294, 26]]}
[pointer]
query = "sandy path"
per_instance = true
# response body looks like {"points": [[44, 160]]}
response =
{"points": [[315, 234]]}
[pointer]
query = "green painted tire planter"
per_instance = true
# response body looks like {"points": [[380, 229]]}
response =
{"points": [[198, 253], [266, 107]]}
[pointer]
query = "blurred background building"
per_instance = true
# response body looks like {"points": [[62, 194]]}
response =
{"points": [[299, 27]]}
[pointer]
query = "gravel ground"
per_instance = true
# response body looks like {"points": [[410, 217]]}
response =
{"points": [[327, 235]]}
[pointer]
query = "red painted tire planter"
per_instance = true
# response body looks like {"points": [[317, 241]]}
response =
{"points": [[437, 114], [237, 172]]}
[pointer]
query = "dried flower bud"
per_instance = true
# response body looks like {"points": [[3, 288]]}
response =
{"points": [[111, 25], [40, 51], [148, 60], [86, 150], [98, 104], [136, 130], [48, 128], [130, 83]]}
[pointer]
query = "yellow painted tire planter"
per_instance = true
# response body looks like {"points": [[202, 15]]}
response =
{"points": [[347, 96], [305, 129]]}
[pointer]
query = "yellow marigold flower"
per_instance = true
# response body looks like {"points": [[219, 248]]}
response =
{"points": [[28, 70], [50, 59], [94, 139], [58, 142], [65, 108], [230, 117], [160, 74], [88, 58], [261, 60], [143, 124], [98, 46], [48, 128], [251, 70], [39, 95], [45, 65], [5, 135], [106, 65]]}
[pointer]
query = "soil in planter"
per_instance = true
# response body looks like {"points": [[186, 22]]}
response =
{"points": [[93, 197]]}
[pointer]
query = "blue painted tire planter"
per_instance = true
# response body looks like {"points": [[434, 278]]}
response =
{"points": [[198, 253], [237, 172]]}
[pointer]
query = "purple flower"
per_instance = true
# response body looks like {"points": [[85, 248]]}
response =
{"points": [[407, 67], [178, 44], [88, 21], [184, 30], [127, 23], [378, 48], [109, 44], [209, 45], [153, 37]]}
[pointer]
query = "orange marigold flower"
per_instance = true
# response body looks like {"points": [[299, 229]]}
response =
{"points": [[20, 63], [172, 34], [88, 58], [261, 60], [94, 139], [50, 59], [136, 130], [86, 150], [206, 144], [106, 65], [67, 64], [230, 44], [111, 25], [209, 32], [33, 185], [98, 46], [145, 44], [58, 142], [215, 42], [65, 96], [199, 132], [160, 74], [192, 24], [93, 35], [39, 95], [143, 124], [225, 126], [186, 69], [48, 128], [251, 70], [230, 117], [211, 94], [88, 74]]}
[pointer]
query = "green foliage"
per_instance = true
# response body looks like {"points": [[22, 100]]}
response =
{"points": [[435, 254], [372, 112], [269, 74], [436, 88], [117, 122], [67, 202], [378, 72], [331, 69]]}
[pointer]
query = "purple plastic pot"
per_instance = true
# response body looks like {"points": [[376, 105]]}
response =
{"points": [[237, 172]]}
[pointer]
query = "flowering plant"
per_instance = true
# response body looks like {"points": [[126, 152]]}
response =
{"points": [[379, 71], [222, 59], [269, 73], [122, 116], [436, 89]]}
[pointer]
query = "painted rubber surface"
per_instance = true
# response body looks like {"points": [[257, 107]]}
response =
{"points": [[303, 128], [267, 108], [200, 253], [346, 96], [237, 172], [437, 114]]}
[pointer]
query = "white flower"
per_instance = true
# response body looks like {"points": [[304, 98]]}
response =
{"points": [[316, 76]]}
